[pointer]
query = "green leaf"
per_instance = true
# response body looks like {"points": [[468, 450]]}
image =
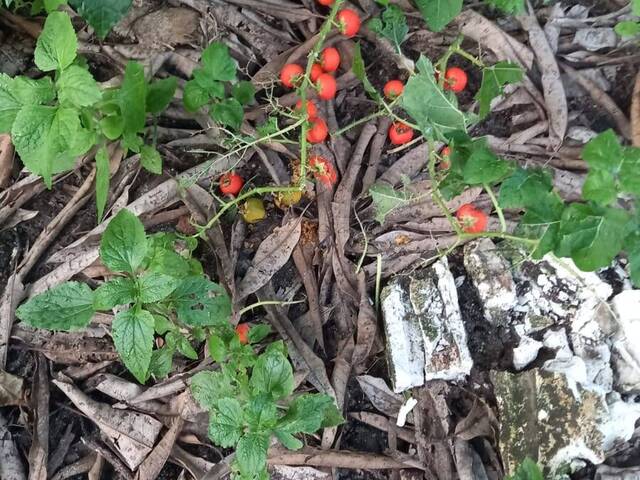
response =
{"points": [[51, 5], [225, 425], [542, 221], [428, 105], [150, 159], [635, 7], [630, 171], [527, 470], [57, 44], [632, 247], [603, 151], [452, 185], [507, 6], [132, 333], [261, 413], [162, 325], [100, 14], [212, 87], [154, 287], [627, 28], [208, 387], [102, 180], [288, 440], [200, 302], [29, 91], [438, 13], [160, 94], [494, 79], [273, 374], [112, 126], [30, 137], [259, 333], [184, 346], [217, 348], [392, 25], [217, 63], [359, 70], [9, 104], [385, 199], [600, 186], [119, 291], [244, 92], [228, 112], [77, 87], [161, 362], [484, 166], [251, 454], [591, 236], [308, 412], [524, 186], [132, 98], [68, 306], [194, 96], [124, 244]]}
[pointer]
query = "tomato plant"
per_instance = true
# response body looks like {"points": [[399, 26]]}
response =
{"points": [[393, 89], [400, 133], [311, 109], [349, 22], [316, 71], [329, 59], [326, 86], [291, 74], [231, 183], [323, 170], [318, 131]]}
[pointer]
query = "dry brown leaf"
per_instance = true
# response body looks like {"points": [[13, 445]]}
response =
{"points": [[11, 389], [133, 434], [39, 451], [11, 467], [468, 462], [382, 423], [272, 254], [336, 459], [380, 395], [6, 159], [635, 112], [366, 327]]}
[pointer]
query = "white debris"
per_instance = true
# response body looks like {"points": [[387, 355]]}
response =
{"points": [[405, 409], [594, 39], [626, 347], [526, 352]]}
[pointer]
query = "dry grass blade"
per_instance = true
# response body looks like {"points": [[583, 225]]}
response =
{"points": [[39, 451], [272, 254], [554, 95], [11, 467], [6, 159], [336, 459]]}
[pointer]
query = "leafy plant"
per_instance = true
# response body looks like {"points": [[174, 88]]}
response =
{"points": [[512, 7], [392, 25], [630, 28], [54, 119], [156, 291], [527, 470], [215, 86], [249, 401]]}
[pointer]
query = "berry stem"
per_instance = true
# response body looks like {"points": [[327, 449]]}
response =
{"points": [[494, 201], [435, 191]]}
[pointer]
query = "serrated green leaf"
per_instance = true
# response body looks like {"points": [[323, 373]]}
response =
{"points": [[244, 92], [208, 387], [29, 91], [225, 425], [308, 413], [102, 180], [627, 28], [386, 199], [359, 70], [507, 6], [591, 236], [124, 243], [261, 413], [288, 440], [160, 93], [213, 88], [603, 152], [272, 374], [184, 346], [194, 96], [30, 137], [392, 25], [9, 104], [100, 14], [600, 186], [132, 333], [200, 302], [542, 221], [150, 159], [119, 291], [77, 87], [524, 186], [57, 45], [154, 287], [51, 5], [430, 107], [484, 166], [438, 13], [494, 79], [259, 333], [132, 98], [163, 325], [112, 126], [161, 362], [527, 470], [68, 306], [228, 112], [217, 348], [629, 176], [251, 454], [217, 63]]}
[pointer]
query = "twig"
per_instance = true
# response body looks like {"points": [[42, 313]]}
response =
{"points": [[336, 459], [635, 113]]}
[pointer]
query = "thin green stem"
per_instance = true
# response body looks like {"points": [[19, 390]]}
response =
{"points": [[435, 191], [358, 122], [463, 53], [494, 201], [265, 302], [501, 235]]}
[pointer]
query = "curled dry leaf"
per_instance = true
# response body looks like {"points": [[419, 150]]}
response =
{"points": [[11, 467], [271, 256], [11, 389], [380, 395]]}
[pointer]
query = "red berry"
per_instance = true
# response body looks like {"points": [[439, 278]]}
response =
{"points": [[399, 133], [326, 3], [312, 110], [455, 79], [316, 71], [445, 153], [318, 131], [471, 219], [231, 183], [349, 22], [326, 86], [393, 89], [330, 59], [291, 74], [323, 170], [242, 331]]}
